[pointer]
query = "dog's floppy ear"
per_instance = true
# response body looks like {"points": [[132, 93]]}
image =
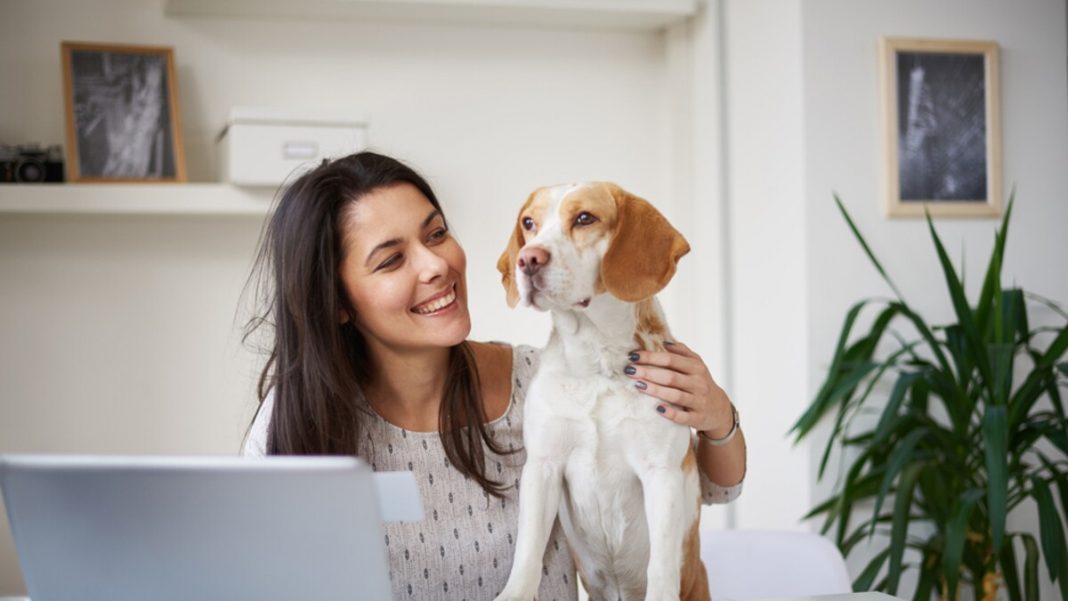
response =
{"points": [[506, 264], [644, 251]]}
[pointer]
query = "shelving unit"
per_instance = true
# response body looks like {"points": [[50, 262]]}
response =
{"points": [[637, 15], [216, 199], [134, 199]]}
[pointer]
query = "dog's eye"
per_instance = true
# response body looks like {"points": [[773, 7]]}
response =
{"points": [[528, 223], [585, 218]]}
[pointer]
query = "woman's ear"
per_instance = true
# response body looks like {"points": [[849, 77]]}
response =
{"points": [[344, 309], [644, 251]]}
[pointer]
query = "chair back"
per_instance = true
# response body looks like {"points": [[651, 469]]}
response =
{"points": [[744, 565]]}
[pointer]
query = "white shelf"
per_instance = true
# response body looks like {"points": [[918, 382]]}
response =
{"points": [[637, 15], [134, 199]]}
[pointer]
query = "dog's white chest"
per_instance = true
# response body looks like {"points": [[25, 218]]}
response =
{"points": [[608, 437]]}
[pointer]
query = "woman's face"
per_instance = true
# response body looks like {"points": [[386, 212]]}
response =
{"points": [[403, 271]]}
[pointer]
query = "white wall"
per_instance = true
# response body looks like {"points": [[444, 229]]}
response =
{"points": [[843, 150], [804, 121], [118, 332], [767, 280], [695, 67]]}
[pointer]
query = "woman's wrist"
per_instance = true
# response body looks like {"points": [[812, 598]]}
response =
{"points": [[725, 431]]}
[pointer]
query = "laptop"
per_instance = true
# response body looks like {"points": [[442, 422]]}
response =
{"points": [[113, 528]]}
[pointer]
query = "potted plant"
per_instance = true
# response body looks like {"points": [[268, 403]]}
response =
{"points": [[973, 425]]}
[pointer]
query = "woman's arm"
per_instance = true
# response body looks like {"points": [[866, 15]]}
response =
{"points": [[724, 465], [691, 397]]}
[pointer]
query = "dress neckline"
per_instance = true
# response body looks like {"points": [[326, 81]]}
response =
{"points": [[435, 433]]}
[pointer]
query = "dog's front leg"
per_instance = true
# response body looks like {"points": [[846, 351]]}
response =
{"points": [[540, 487], [664, 512]]}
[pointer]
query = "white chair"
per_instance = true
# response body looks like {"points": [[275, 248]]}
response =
{"points": [[744, 565]]}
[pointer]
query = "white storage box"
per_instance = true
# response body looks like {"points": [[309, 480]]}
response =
{"points": [[266, 147]]}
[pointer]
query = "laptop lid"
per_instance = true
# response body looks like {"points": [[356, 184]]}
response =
{"points": [[196, 528]]}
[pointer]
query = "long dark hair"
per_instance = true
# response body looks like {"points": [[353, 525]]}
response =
{"points": [[316, 365]]}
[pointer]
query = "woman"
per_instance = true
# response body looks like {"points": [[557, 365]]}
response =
{"points": [[368, 303]]}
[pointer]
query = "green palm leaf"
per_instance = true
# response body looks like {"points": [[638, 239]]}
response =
{"points": [[996, 436], [902, 503], [1056, 349], [867, 249], [1051, 531], [1007, 561], [863, 582], [893, 404], [928, 577], [1030, 567], [992, 281], [955, 534], [900, 457], [963, 311]]}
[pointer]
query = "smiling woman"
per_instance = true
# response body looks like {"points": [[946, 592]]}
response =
{"points": [[355, 254], [367, 303]]}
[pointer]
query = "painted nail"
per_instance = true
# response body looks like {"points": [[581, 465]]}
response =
{"points": [[641, 385], [629, 370], [634, 356], [660, 409]]}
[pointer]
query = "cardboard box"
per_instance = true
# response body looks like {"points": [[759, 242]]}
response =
{"points": [[266, 147]]}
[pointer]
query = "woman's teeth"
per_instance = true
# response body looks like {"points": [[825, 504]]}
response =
{"points": [[436, 305]]}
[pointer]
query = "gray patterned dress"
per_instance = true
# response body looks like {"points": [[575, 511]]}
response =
{"points": [[463, 549]]}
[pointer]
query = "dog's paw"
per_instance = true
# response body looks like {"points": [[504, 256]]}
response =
{"points": [[514, 595], [661, 595]]}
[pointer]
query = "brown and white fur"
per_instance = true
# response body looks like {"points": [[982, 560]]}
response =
{"points": [[623, 479]]}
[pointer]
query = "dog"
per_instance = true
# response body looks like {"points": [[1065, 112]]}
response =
{"points": [[622, 478]]}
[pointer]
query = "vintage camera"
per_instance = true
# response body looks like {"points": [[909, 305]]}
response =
{"points": [[29, 163]]}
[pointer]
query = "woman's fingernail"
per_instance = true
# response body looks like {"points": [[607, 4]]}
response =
{"points": [[660, 409], [633, 356], [641, 385], [629, 370]]}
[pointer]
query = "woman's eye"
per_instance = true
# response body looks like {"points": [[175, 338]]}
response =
{"points": [[585, 218], [528, 223], [438, 234], [390, 262]]}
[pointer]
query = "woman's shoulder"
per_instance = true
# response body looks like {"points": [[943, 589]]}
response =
{"points": [[255, 444], [494, 363], [525, 362], [511, 376], [505, 359]]}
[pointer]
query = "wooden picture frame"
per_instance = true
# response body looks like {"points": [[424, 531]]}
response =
{"points": [[123, 122], [942, 127]]}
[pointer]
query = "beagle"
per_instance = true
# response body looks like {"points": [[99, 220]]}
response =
{"points": [[622, 478]]}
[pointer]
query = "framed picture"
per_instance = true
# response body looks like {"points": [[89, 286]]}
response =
{"points": [[122, 114], [941, 105]]}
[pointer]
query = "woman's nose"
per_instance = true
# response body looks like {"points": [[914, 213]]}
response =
{"points": [[431, 264]]}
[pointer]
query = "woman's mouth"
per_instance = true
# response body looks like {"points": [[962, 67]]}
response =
{"points": [[438, 304]]}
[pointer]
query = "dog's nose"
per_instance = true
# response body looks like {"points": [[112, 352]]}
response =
{"points": [[532, 258]]}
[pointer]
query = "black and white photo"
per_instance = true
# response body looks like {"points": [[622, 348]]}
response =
{"points": [[942, 129], [122, 113]]}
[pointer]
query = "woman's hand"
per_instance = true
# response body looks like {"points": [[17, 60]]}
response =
{"points": [[679, 378]]}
